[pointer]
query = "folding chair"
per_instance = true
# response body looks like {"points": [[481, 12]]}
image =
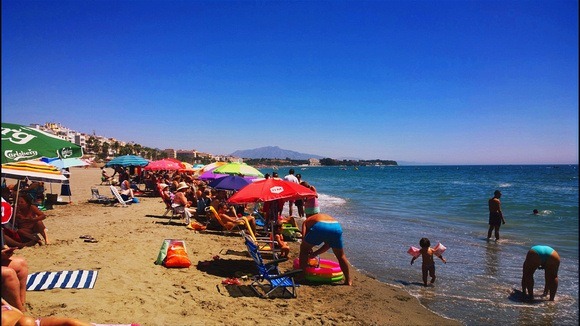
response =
{"points": [[119, 198], [98, 198], [180, 211], [268, 274]]}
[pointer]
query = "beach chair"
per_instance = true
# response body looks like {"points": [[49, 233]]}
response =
{"points": [[242, 223], [119, 198], [180, 211], [269, 278], [100, 199]]}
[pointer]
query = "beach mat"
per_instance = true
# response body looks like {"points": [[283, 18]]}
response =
{"points": [[80, 279]]}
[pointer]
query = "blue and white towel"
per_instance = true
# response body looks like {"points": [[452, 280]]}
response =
{"points": [[61, 280]]}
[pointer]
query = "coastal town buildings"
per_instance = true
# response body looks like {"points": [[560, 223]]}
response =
{"points": [[113, 145]]}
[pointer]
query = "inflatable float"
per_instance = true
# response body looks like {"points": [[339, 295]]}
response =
{"points": [[325, 271], [415, 252]]}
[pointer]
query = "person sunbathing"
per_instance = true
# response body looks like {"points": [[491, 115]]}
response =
{"points": [[29, 220], [126, 190], [14, 276], [12, 239], [230, 219], [12, 316]]}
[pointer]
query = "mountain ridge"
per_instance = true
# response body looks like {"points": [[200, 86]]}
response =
{"points": [[273, 152]]}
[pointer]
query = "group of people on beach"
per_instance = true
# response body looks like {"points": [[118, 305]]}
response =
{"points": [[22, 232], [194, 196]]}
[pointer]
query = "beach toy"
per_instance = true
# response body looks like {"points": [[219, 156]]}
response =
{"points": [[414, 251], [328, 271], [439, 249]]}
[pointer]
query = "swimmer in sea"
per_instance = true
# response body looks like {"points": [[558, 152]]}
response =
{"points": [[541, 257]]}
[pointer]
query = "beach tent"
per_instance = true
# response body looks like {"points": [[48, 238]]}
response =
{"points": [[21, 143]]}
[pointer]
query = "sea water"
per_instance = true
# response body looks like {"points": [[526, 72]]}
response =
{"points": [[386, 209]]}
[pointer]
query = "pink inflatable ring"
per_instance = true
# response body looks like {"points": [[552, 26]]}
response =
{"points": [[328, 271]]}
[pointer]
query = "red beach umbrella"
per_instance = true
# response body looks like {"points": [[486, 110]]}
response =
{"points": [[270, 189], [164, 164]]}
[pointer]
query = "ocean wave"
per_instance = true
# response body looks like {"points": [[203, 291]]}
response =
{"points": [[328, 200]]}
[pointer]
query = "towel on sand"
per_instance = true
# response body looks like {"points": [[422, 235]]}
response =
{"points": [[80, 279]]}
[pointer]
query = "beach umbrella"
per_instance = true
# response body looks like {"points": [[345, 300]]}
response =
{"points": [[64, 163], [229, 182], [270, 189], [236, 168], [211, 166], [164, 164], [21, 143], [209, 175], [34, 170], [127, 160]]}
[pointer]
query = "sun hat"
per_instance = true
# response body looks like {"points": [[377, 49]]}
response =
{"points": [[182, 185], [163, 185]]}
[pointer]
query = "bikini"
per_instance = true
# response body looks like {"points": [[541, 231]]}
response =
{"points": [[543, 251]]}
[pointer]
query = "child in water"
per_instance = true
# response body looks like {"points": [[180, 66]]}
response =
{"points": [[428, 263]]}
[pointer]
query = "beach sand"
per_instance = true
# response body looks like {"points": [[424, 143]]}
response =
{"points": [[130, 288]]}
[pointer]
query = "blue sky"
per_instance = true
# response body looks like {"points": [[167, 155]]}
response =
{"points": [[451, 82]]}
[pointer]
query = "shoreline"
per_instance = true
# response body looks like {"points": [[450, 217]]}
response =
{"points": [[131, 289]]}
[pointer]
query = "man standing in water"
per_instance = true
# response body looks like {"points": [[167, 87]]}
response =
{"points": [[495, 215]]}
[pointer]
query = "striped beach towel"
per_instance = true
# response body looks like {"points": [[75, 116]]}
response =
{"points": [[80, 279]]}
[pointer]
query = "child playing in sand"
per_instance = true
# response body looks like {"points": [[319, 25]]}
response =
{"points": [[428, 263], [284, 248]]}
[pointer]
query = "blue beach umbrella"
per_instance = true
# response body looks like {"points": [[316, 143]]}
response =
{"points": [[65, 162], [127, 160]]}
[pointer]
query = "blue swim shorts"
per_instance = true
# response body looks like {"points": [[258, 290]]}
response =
{"points": [[327, 232]]}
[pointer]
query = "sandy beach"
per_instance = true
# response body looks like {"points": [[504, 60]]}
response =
{"points": [[130, 288]]}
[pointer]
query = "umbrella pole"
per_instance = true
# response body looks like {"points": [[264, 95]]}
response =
{"points": [[15, 205]]}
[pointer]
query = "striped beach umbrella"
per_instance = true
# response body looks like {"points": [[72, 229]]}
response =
{"points": [[34, 170]]}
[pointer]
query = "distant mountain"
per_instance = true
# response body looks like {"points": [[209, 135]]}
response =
{"points": [[273, 152]]}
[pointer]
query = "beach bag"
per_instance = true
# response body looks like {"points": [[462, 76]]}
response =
{"points": [[135, 200], [177, 255]]}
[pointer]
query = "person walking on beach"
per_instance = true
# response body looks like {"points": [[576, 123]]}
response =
{"points": [[291, 178], [318, 229], [428, 266], [496, 218], [541, 257]]}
